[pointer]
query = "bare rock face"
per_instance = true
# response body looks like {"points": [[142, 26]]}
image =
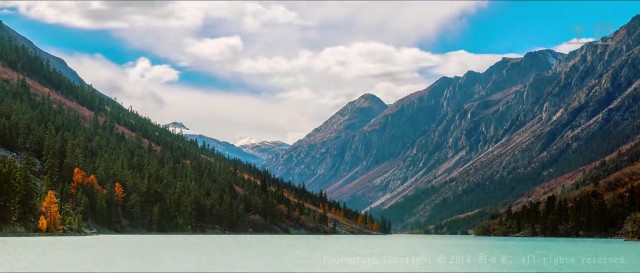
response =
{"points": [[265, 149], [327, 147], [474, 141]]}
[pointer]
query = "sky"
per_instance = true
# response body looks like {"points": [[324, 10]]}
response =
{"points": [[253, 71]]}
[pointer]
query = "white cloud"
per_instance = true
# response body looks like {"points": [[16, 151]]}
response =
{"points": [[258, 16], [271, 27], [337, 74], [313, 86], [6, 11], [242, 140], [143, 70], [211, 50], [457, 63], [220, 114], [572, 44], [111, 15], [177, 14], [305, 58]]}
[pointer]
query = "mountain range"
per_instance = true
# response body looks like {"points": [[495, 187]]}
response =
{"points": [[463, 147], [465, 144], [253, 153]]}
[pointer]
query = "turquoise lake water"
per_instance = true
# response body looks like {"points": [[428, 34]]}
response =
{"points": [[310, 253]]}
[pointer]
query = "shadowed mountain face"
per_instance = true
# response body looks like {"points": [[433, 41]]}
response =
{"points": [[327, 147], [474, 141]]}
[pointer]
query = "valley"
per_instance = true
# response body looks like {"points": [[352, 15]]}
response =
{"points": [[105, 168], [470, 145]]}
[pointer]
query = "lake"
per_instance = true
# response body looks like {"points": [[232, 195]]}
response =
{"points": [[305, 253]]}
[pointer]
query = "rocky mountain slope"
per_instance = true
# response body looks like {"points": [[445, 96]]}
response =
{"points": [[265, 149], [474, 141], [326, 148]]}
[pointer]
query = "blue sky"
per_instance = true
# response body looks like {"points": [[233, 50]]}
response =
{"points": [[55, 37], [514, 26], [293, 63]]}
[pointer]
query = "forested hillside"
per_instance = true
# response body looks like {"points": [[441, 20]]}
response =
{"points": [[102, 166], [604, 202]]}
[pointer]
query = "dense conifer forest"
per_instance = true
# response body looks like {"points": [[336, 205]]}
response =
{"points": [[73, 160]]}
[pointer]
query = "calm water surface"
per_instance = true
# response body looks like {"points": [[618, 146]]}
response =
{"points": [[306, 253]]}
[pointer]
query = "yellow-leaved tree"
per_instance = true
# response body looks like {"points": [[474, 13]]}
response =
{"points": [[50, 218]]}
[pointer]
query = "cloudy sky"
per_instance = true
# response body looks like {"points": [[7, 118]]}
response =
{"points": [[251, 71]]}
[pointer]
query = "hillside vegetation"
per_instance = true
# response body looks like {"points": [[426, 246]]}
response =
{"points": [[604, 202], [102, 166]]}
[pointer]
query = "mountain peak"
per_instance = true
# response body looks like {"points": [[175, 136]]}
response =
{"points": [[367, 100], [272, 142], [350, 118], [546, 55], [176, 125], [368, 97]]}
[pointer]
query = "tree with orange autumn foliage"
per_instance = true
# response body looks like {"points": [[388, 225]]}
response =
{"points": [[93, 182], [78, 179], [50, 214], [376, 226], [360, 220], [119, 194], [88, 185]]}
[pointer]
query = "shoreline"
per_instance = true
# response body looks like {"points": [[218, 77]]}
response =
{"points": [[14, 235]]}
